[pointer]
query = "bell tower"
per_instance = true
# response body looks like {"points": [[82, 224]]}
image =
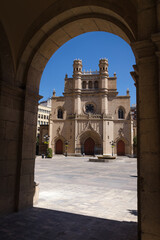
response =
{"points": [[77, 73], [103, 71]]}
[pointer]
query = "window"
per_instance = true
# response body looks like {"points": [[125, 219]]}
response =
{"points": [[42, 116], [89, 108], [60, 114], [96, 84], [84, 85], [90, 84], [120, 113]]}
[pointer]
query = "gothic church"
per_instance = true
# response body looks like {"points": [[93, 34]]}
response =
{"points": [[90, 118]]}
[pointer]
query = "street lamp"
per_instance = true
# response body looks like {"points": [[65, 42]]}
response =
{"points": [[46, 137], [46, 141], [66, 146], [112, 145]]}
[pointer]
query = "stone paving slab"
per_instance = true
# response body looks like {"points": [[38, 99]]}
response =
{"points": [[79, 200], [45, 224], [105, 190]]}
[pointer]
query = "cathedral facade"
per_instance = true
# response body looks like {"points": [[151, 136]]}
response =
{"points": [[90, 118]]}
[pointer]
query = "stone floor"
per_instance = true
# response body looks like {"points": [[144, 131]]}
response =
{"points": [[79, 200], [75, 185]]}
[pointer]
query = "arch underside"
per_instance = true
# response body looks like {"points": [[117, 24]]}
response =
{"points": [[61, 29]]}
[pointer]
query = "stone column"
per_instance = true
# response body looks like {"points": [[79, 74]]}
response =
{"points": [[75, 133], [26, 162], [103, 69], [77, 73], [148, 123], [108, 136], [104, 104], [77, 104]]}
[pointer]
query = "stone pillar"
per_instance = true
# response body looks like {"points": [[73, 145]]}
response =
{"points": [[104, 106], [131, 137], [26, 160], [18, 123], [77, 104], [107, 136], [148, 125], [77, 72], [103, 70], [50, 133], [75, 133]]}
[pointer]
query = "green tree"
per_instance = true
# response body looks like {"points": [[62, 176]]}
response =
{"points": [[135, 141], [49, 153]]}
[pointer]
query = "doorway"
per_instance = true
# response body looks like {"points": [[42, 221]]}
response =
{"points": [[59, 147], [89, 146], [120, 148]]}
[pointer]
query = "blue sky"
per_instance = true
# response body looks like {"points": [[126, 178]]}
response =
{"points": [[90, 47]]}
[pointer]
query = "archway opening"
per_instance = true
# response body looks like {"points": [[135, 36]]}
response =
{"points": [[59, 147], [89, 146], [90, 131], [47, 46], [120, 148]]}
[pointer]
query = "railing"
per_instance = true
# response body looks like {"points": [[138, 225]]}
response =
{"points": [[90, 72], [84, 116]]}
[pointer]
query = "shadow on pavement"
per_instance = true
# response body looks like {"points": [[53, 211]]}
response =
{"points": [[45, 224], [133, 212]]}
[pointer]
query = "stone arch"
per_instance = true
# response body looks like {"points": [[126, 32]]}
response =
{"points": [[96, 85], [84, 85], [59, 146], [89, 146], [120, 107], [90, 133], [54, 140], [52, 30], [121, 113], [136, 20], [51, 35], [90, 84], [7, 68], [120, 147], [126, 143], [60, 113]]}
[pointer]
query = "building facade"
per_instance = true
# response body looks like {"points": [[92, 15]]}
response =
{"points": [[90, 115], [44, 109]]}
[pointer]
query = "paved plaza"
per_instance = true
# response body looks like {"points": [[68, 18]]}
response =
{"points": [[75, 185], [79, 200]]}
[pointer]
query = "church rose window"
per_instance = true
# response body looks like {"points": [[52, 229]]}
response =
{"points": [[89, 108]]}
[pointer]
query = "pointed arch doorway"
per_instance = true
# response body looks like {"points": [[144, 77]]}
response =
{"points": [[89, 146], [120, 148], [59, 147]]}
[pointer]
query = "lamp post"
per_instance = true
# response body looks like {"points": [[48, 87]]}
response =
{"points": [[112, 145], [46, 137], [66, 146], [46, 141]]}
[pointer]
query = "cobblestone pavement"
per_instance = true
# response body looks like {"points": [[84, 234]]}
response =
{"points": [[78, 200]]}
